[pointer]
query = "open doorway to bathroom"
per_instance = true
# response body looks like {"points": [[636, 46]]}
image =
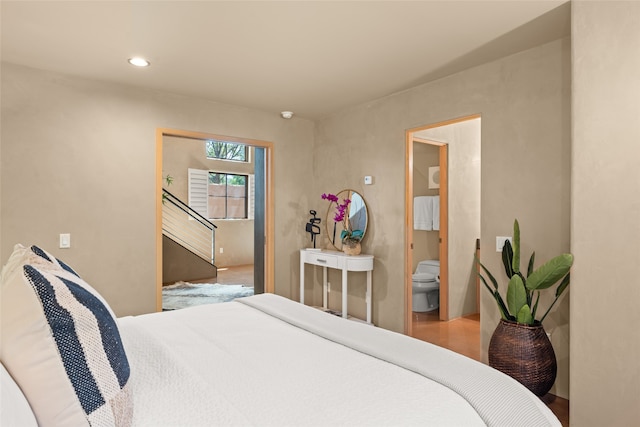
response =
{"points": [[442, 226]]}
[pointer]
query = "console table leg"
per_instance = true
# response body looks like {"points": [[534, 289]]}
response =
{"points": [[344, 293], [301, 280], [324, 288], [368, 297]]}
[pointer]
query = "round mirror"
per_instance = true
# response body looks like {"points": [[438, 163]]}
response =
{"points": [[354, 219]]}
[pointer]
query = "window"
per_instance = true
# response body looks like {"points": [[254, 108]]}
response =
{"points": [[227, 196], [226, 150]]}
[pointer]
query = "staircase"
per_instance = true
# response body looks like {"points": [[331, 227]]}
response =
{"points": [[188, 242]]}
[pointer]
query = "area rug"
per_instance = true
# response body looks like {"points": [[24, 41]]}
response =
{"points": [[184, 294]]}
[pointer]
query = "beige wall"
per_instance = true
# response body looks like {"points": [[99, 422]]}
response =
{"points": [[78, 156], [605, 234], [524, 103], [235, 237]]}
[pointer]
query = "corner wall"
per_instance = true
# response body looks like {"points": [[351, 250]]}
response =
{"points": [[605, 234]]}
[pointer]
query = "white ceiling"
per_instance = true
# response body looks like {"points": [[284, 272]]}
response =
{"points": [[312, 57]]}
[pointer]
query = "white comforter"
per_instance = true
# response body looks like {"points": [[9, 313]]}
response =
{"points": [[269, 361]]}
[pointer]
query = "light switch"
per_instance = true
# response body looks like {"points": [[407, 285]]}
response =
{"points": [[368, 180], [65, 241], [500, 242]]}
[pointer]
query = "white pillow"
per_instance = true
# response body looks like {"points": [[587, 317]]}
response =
{"points": [[21, 254], [14, 408], [61, 344]]}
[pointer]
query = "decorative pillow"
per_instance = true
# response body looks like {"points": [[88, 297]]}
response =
{"points": [[20, 255], [47, 256], [61, 344]]}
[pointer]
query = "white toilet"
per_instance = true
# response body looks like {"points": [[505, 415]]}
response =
{"points": [[426, 286]]}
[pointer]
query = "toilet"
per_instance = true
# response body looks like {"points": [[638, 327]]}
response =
{"points": [[426, 286]]}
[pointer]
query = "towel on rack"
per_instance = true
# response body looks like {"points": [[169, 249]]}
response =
{"points": [[423, 213], [436, 212]]}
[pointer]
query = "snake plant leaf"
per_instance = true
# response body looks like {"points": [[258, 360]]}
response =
{"points": [[507, 258], [516, 294], [504, 312], [524, 316], [535, 306], [531, 261], [550, 272], [516, 247], [493, 279], [485, 283], [563, 285], [559, 290], [529, 293]]}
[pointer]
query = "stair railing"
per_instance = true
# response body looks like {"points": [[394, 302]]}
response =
{"points": [[187, 227]]}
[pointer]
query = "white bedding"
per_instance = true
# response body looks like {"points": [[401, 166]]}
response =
{"points": [[268, 361]]}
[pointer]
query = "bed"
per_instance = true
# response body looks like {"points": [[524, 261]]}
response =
{"points": [[262, 360]]}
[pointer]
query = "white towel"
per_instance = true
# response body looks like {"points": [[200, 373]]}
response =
{"points": [[436, 212], [423, 213]]}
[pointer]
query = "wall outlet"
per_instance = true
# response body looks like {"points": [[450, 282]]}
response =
{"points": [[500, 242], [221, 250]]}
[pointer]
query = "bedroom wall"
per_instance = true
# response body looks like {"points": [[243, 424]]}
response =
{"points": [[605, 235], [524, 100], [78, 156]]}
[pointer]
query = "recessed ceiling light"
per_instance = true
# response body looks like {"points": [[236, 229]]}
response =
{"points": [[139, 62], [286, 114]]}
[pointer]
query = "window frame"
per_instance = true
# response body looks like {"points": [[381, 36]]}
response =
{"points": [[227, 143], [226, 196]]}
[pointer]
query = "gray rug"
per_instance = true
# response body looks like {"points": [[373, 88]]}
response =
{"points": [[184, 294]]}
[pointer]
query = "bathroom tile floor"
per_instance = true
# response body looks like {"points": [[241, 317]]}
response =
{"points": [[462, 335]]}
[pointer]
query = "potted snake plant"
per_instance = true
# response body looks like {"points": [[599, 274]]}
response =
{"points": [[519, 346]]}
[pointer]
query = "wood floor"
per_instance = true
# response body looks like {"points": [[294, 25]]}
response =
{"points": [[462, 335], [236, 275]]}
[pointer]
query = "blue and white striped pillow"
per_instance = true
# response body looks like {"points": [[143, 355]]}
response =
{"points": [[89, 345], [53, 260], [61, 344]]}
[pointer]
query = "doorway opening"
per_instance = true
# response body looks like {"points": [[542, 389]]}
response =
{"points": [[451, 230], [250, 223]]}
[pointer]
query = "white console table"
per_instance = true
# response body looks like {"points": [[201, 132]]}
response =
{"points": [[340, 261]]}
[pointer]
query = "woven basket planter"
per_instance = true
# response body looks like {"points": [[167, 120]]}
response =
{"points": [[524, 353]]}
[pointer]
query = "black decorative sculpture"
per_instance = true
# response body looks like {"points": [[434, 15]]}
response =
{"points": [[312, 227]]}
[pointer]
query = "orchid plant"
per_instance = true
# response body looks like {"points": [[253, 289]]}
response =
{"points": [[347, 235]]}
